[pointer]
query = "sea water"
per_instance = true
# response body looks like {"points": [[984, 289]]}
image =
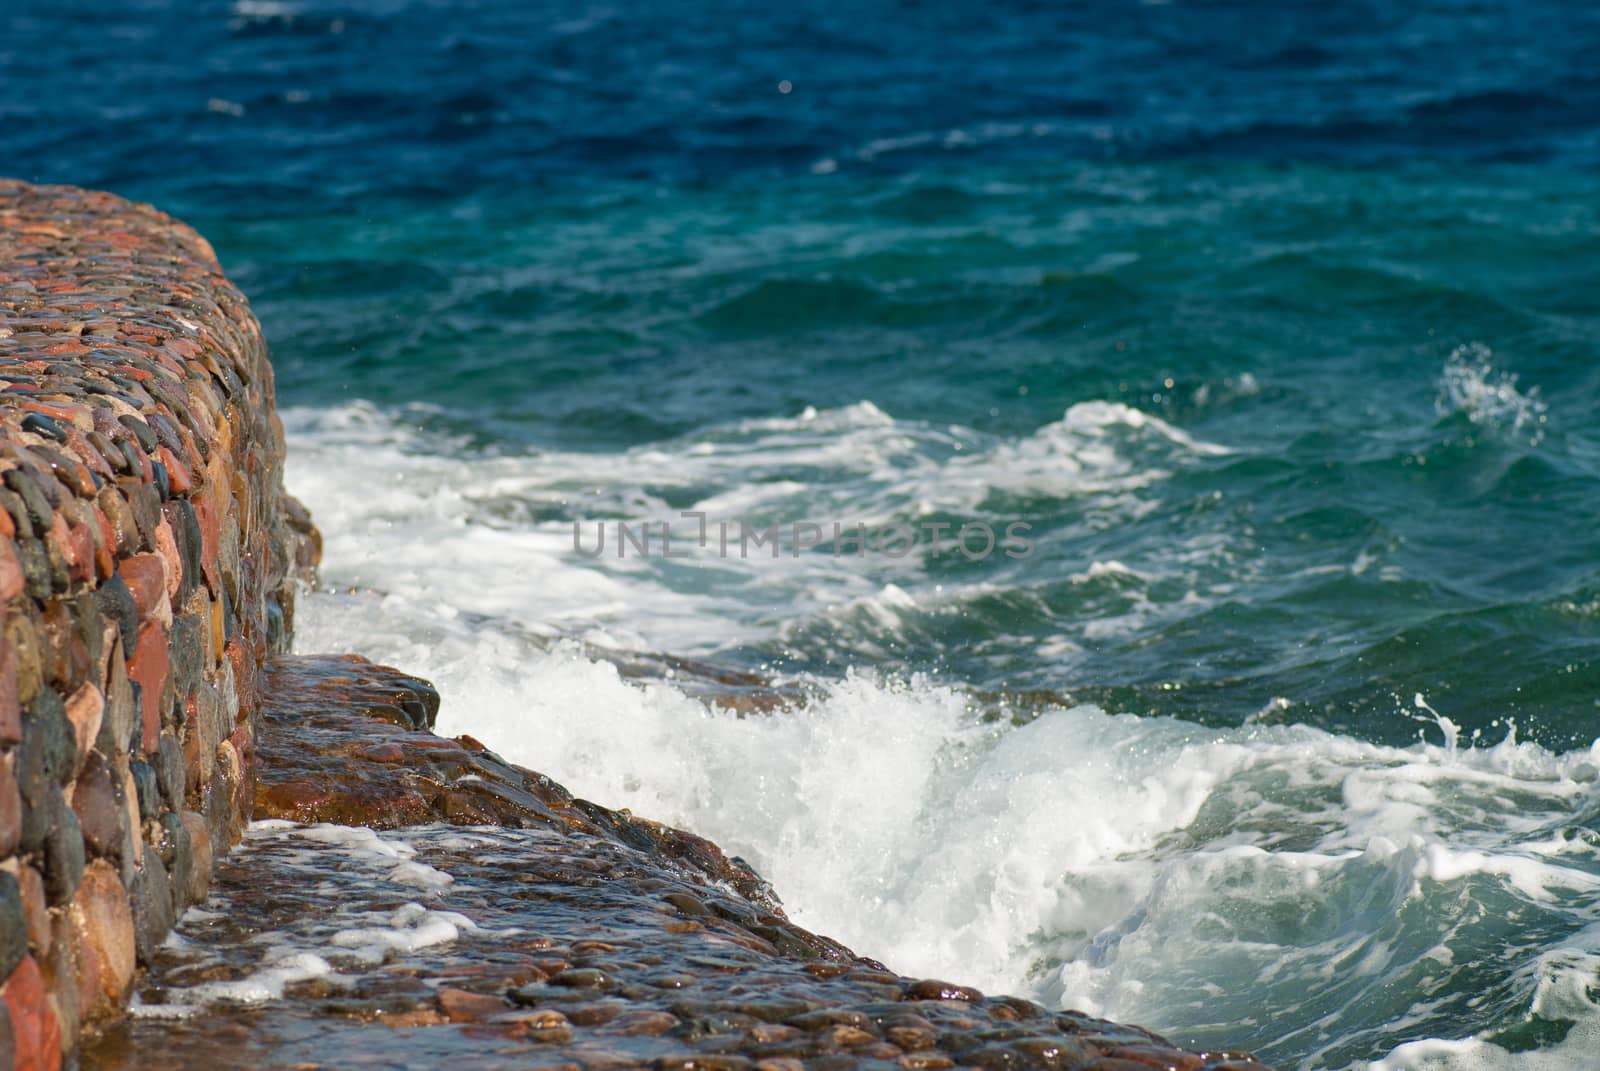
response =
{"points": [[1274, 325]]}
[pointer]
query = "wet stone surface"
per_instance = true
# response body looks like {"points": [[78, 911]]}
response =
{"points": [[580, 938], [529, 948]]}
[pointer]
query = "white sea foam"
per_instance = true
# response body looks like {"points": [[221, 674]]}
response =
{"points": [[1563, 992], [409, 928], [366, 842], [1488, 397], [1274, 886], [282, 969], [423, 505], [340, 936]]}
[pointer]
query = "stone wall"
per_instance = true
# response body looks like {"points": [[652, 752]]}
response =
{"points": [[147, 556]]}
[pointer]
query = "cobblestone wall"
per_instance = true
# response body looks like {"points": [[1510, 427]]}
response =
{"points": [[147, 553]]}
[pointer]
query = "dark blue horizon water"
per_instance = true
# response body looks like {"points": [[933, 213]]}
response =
{"points": [[1347, 256], [263, 109]]}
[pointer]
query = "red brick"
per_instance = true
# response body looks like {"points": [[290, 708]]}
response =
{"points": [[167, 547], [178, 477], [11, 578], [10, 808], [105, 544], [34, 1028], [210, 535], [82, 559], [146, 577], [35, 909], [105, 929], [10, 708], [149, 669], [85, 708]]}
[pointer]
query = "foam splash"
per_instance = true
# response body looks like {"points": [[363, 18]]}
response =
{"points": [[372, 846], [423, 499], [1472, 386], [1563, 1003], [339, 937], [281, 968], [1198, 881], [409, 928]]}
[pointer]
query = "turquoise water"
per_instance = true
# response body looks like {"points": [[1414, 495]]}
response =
{"points": [[1396, 367], [1275, 324], [1280, 736]]}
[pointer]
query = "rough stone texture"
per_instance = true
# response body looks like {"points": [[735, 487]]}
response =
{"points": [[10, 809], [105, 930], [137, 440], [35, 1028]]}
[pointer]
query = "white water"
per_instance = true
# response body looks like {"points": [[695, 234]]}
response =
{"points": [[1472, 386], [1276, 887], [341, 936]]}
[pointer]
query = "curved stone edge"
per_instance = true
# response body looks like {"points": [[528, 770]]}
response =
{"points": [[147, 564]]}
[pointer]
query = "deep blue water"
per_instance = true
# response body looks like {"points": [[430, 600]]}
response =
{"points": [[436, 102], [1277, 321]]}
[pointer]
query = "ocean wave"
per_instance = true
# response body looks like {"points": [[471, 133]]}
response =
{"points": [[1226, 886], [399, 502], [1231, 886]]}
